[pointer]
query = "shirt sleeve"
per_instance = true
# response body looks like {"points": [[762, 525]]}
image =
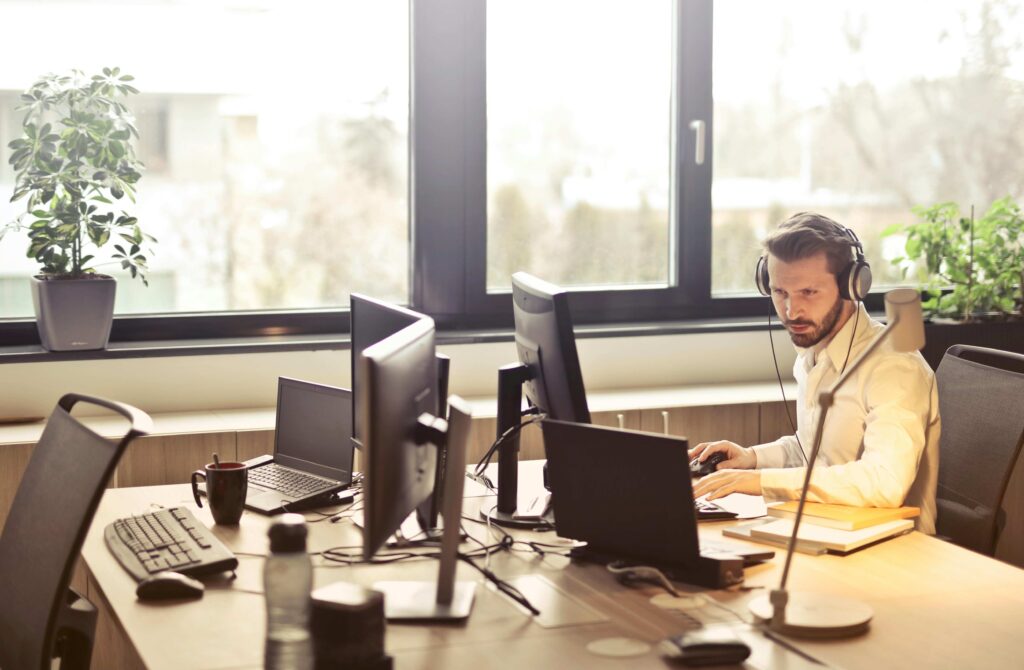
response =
{"points": [[897, 397], [781, 453]]}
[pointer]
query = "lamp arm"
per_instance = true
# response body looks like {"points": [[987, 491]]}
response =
{"points": [[825, 401]]}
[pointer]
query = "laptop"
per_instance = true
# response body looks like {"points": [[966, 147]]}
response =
{"points": [[313, 450], [628, 495]]}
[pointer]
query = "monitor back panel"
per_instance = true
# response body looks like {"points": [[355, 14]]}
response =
{"points": [[625, 493]]}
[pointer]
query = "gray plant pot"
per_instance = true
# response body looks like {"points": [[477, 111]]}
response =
{"points": [[74, 314]]}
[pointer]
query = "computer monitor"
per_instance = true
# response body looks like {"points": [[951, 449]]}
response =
{"points": [[546, 344], [372, 321], [548, 370], [401, 439]]}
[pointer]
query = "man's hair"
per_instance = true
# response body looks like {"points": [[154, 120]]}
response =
{"points": [[807, 234]]}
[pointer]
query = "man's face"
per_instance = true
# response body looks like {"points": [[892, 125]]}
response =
{"points": [[806, 298]]}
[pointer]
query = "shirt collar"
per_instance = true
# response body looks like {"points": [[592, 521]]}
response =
{"points": [[840, 346], [835, 350]]}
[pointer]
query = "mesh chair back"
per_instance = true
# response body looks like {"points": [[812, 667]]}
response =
{"points": [[982, 409], [48, 521]]}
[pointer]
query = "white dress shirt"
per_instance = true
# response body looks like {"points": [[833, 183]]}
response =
{"points": [[880, 446]]}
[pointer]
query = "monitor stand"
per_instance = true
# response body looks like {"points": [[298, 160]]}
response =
{"points": [[510, 403], [443, 599]]}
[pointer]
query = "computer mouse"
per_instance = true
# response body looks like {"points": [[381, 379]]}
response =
{"points": [[698, 469], [714, 645], [169, 585]]}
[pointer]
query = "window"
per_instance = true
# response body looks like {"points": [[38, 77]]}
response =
{"points": [[275, 136], [579, 129], [860, 110], [422, 151]]}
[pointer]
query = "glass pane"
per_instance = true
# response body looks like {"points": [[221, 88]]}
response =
{"points": [[860, 110], [578, 141], [275, 136]]}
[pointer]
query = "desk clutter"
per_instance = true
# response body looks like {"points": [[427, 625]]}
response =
{"points": [[619, 502]]}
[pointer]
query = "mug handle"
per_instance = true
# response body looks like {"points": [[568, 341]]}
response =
{"points": [[195, 486]]}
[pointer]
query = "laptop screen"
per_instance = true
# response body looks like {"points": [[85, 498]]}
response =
{"points": [[314, 429]]}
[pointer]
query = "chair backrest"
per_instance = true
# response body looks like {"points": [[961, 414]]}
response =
{"points": [[981, 401], [47, 524]]}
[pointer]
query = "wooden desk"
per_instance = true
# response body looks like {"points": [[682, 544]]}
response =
{"points": [[936, 605]]}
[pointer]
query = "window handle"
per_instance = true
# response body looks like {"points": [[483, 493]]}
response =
{"points": [[700, 129]]}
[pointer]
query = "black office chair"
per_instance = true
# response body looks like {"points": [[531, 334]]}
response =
{"points": [[41, 618], [981, 400]]}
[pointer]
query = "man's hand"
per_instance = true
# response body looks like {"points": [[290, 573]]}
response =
{"points": [[724, 482], [737, 456]]}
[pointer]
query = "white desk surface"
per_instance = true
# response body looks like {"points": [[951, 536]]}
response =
{"points": [[936, 605]]}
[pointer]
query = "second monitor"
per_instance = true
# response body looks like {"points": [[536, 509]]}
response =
{"points": [[549, 373]]}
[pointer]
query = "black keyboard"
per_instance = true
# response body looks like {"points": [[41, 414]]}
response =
{"points": [[292, 483], [709, 511], [168, 539]]}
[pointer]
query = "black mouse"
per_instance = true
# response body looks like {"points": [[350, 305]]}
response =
{"points": [[168, 585], [717, 645], [698, 469]]}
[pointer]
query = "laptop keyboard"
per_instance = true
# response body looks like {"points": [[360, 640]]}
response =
{"points": [[290, 482]]}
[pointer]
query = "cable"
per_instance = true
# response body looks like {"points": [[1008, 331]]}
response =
{"points": [[514, 430], [503, 586], [347, 556], [853, 334], [778, 375]]}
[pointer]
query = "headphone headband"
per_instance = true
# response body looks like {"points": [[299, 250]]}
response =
{"points": [[854, 280]]}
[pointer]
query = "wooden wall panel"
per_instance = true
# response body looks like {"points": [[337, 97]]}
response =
{"points": [[13, 461], [253, 443], [738, 423], [630, 419], [774, 423], [170, 459]]}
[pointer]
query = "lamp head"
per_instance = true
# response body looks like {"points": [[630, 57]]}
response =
{"points": [[903, 312]]}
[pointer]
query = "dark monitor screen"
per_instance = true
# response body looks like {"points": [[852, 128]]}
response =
{"points": [[398, 383], [314, 428], [546, 343], [372, 321]]}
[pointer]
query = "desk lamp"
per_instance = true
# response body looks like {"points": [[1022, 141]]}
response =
{"points": [[826, 616]]}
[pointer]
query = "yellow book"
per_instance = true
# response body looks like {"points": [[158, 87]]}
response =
{"points": [[843, 517]]}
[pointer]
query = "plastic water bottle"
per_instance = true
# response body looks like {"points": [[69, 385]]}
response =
{"points": [[287, 582]]}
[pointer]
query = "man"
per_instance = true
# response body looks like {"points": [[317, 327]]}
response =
{"points": [[880, 444]]}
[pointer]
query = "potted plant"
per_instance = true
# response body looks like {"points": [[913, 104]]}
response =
{"points": [[972, 274], [75, 159]]}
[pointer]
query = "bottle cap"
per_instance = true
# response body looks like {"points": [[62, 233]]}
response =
{"points": [[288, 534]]}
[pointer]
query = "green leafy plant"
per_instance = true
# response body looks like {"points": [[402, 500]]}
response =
{"points": [[970, 268], [74, 159]]}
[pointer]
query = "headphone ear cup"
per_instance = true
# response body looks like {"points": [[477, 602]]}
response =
{"points": [[854, 281], [860, 280], [761, 278], [845, 281]]}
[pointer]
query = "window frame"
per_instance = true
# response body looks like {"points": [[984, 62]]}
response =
{"points": [[448, 209]]}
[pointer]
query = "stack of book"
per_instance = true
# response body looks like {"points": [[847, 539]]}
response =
{"points": [[837, 529]]}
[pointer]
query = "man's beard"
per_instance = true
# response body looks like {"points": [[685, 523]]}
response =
{"points": [[818, 332]]}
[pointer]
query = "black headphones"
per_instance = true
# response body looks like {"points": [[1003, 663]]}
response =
{"points": [[854, 280]]}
